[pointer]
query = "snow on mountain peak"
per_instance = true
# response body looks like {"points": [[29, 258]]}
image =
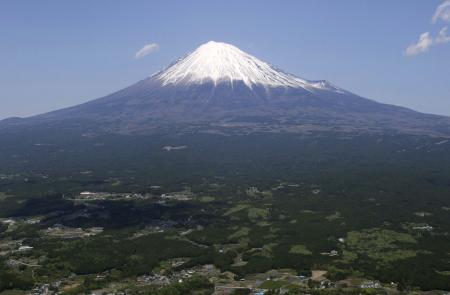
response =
{"points": [[222, 62]]}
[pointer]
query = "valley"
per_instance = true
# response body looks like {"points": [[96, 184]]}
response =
{"points": [[225, 215]]}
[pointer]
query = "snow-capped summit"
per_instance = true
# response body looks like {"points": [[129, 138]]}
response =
{"points": [[221, 62], [218, 86]]}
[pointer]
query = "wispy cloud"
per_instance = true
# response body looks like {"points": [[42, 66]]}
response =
{"points": [[146, 50], [443, 36], [423, 45], [442, 12], [426, 40]]}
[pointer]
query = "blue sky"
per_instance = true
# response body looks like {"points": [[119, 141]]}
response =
{"points": [[55, 54]]}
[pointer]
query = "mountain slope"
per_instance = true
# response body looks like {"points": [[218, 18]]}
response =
{"points": [[220, 87], [220, 62]]}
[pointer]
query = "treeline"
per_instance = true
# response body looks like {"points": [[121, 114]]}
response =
{"points": [[14, 280]]}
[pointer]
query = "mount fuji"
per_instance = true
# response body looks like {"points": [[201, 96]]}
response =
{"points": [[218, 87]]}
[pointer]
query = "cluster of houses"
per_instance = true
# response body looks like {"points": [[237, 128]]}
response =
{"points": [[46, 289], [181, 196], [178, 276], [332, 253], [370, 285], [14, 221], [169, 148], [252, 191], [99, 196], [64, 232], [15, 246], [154, 279], [423, 227]]}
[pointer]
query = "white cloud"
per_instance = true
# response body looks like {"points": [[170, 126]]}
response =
{"points": [[443, 36], [442, 12], [423, 45], [426, 40], [146, 50]]}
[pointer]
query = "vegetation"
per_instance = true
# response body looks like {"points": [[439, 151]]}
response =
{"points": [[316, 194], [300, 249]]}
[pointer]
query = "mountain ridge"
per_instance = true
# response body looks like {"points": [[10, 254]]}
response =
{"points": [[219, 85]]}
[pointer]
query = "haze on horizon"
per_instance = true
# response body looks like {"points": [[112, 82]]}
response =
{"points": [[58, 54]]}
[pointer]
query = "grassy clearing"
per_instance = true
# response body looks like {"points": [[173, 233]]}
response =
{"points": [[241, 233], [263, 224], [300, 250], [236, 209], [13, 292], [335, 216], [268, 249], [206, 199], [3, 196], [272, 285], [382, 246], [257, 213]]}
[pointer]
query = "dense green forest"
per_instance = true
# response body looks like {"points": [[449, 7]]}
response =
{"points": [[254, 203]]}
